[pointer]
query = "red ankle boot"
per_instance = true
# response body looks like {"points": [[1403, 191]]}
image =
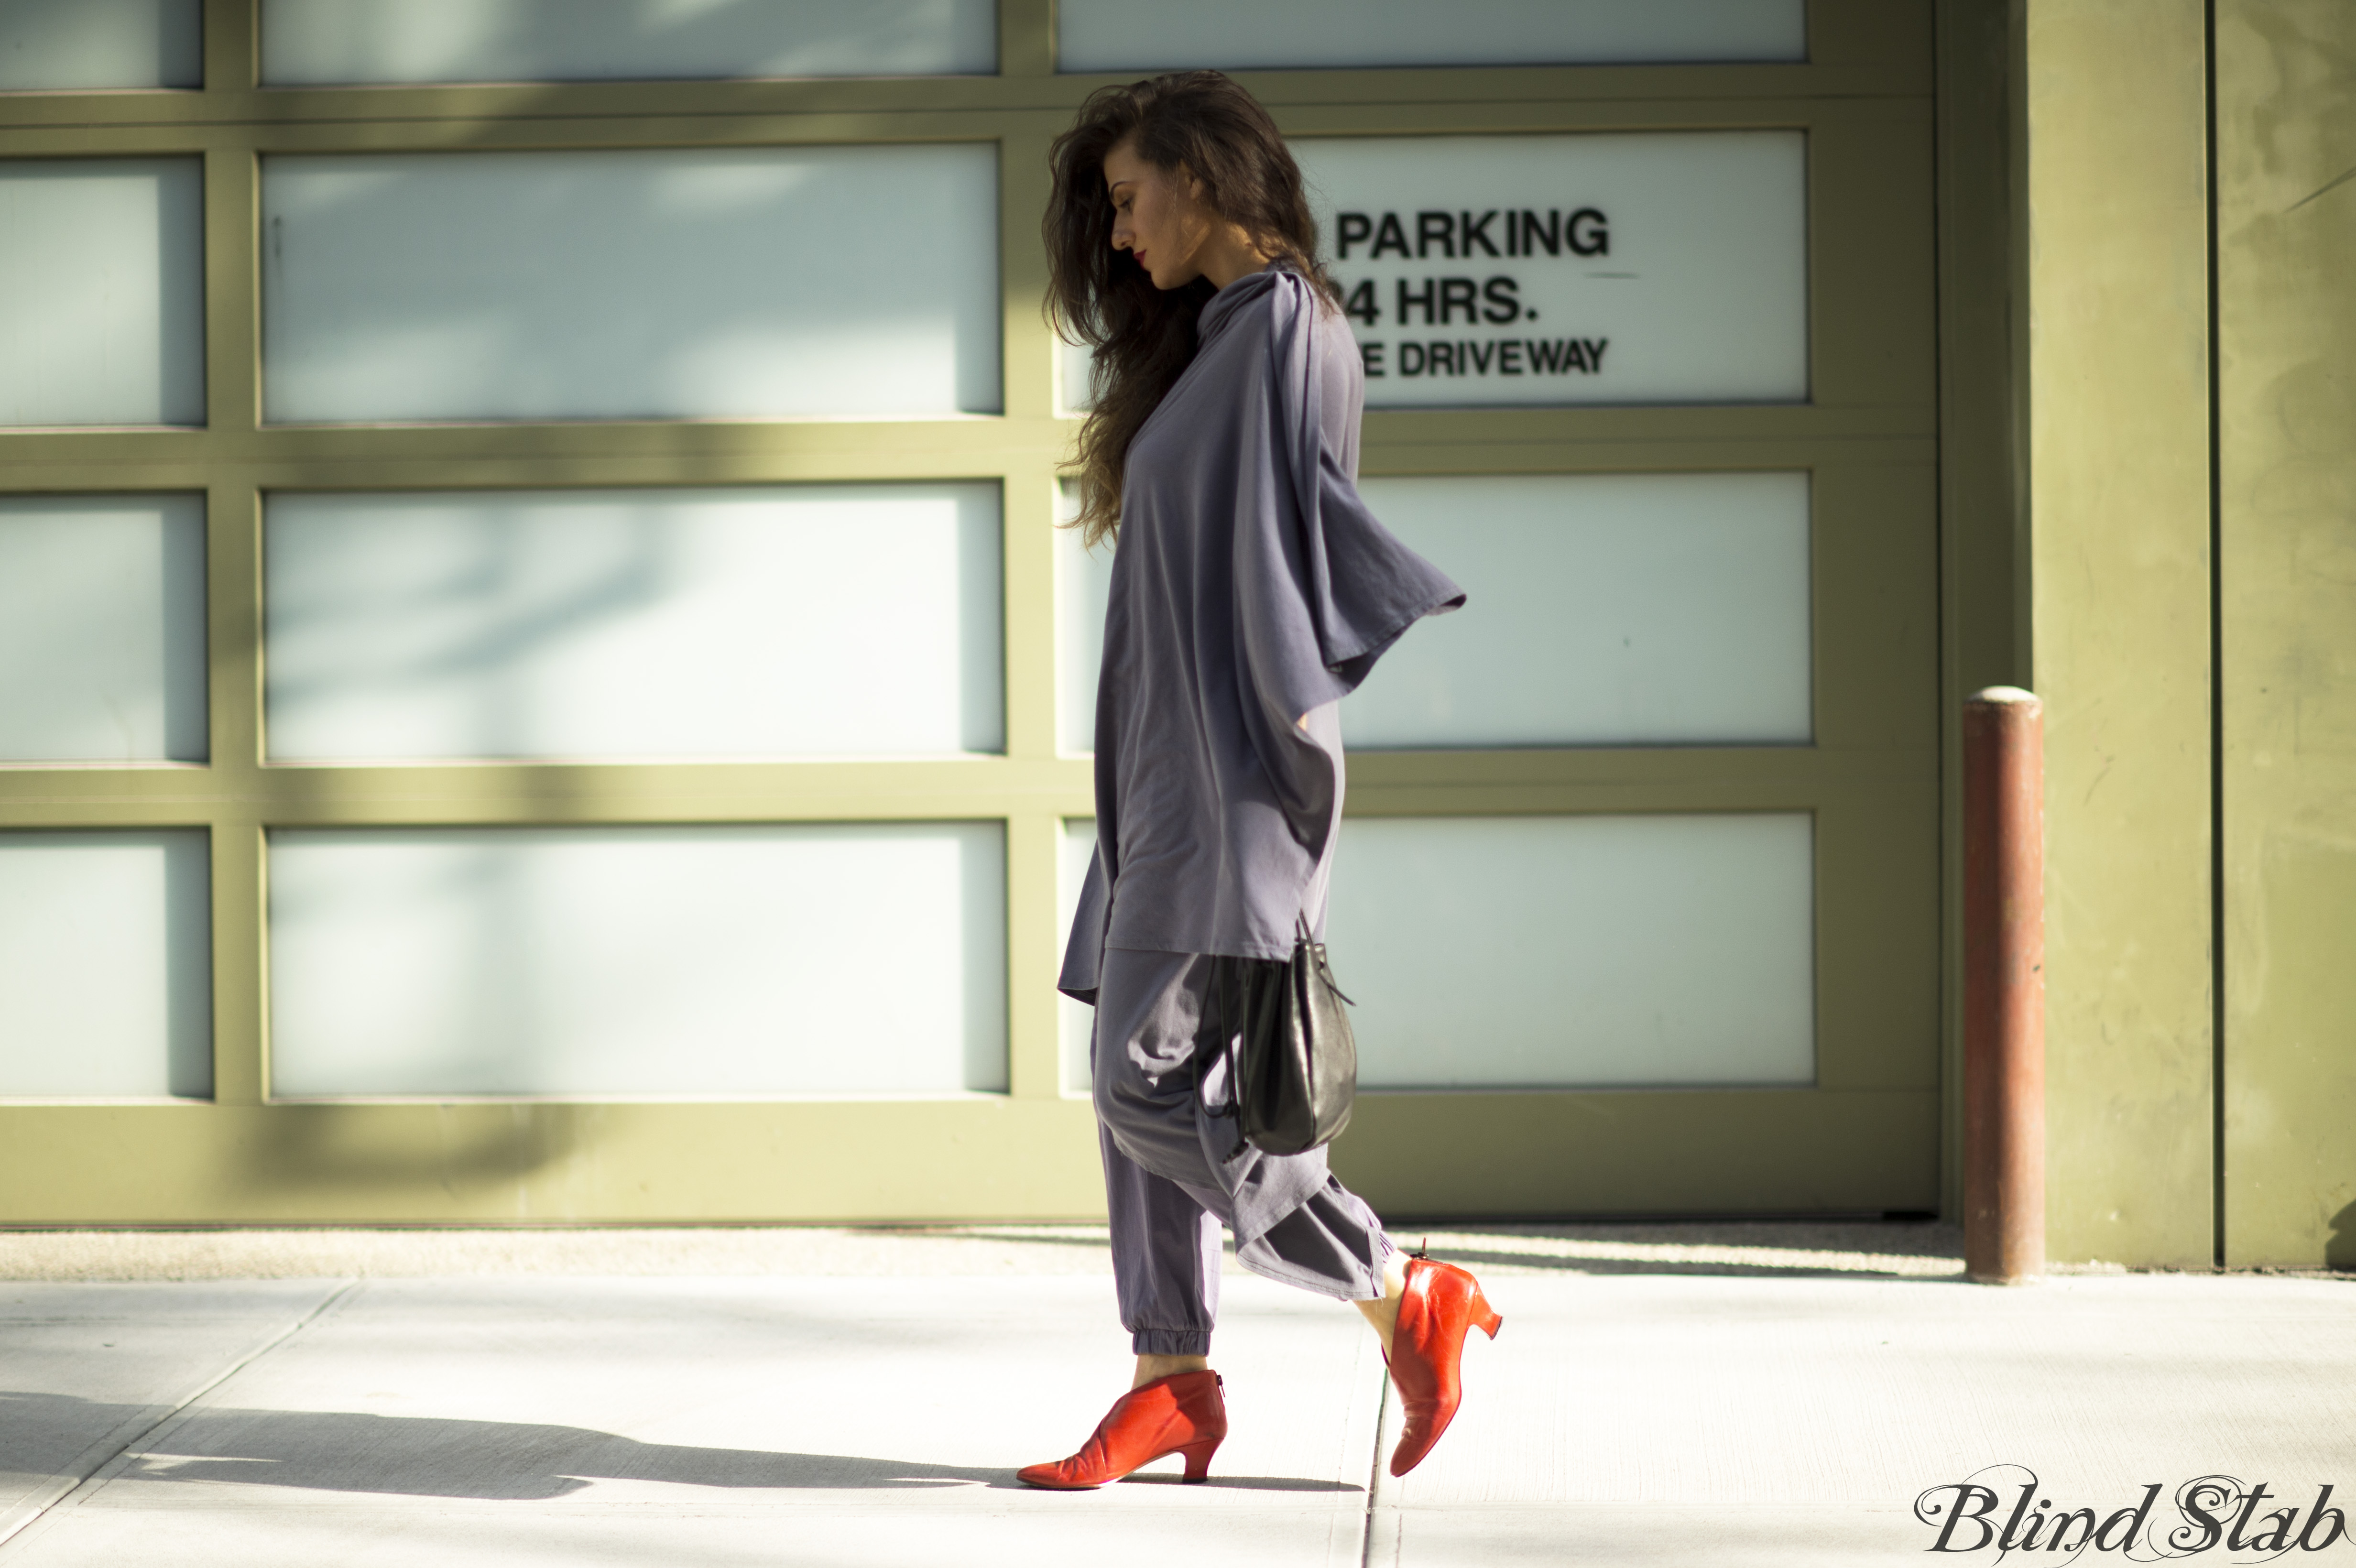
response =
{"points": [[1182, 1414], [1442, 1305]]}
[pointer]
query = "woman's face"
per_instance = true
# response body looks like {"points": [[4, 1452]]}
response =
{"points": [[1156, 218]]}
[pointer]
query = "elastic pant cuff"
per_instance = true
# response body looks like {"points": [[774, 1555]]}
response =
{"points": [[1170, 1341]]}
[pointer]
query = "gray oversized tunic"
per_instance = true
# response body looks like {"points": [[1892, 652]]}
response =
{"points": [[1251, 588]]}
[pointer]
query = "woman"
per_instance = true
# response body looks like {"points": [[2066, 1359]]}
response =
{"points": [[1251, 591]]}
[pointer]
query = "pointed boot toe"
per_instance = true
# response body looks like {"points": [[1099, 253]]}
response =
{"points": [[1182, 1414], [1442, 1304]]}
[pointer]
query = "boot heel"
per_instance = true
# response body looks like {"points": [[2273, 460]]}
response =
{"points": [[1198, 1460], [1488, 1321]]}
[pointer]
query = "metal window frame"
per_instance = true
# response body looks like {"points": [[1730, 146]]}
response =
{"points": [[1866, 1137]]}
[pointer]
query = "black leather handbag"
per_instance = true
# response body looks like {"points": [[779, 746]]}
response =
{"points": [[1292, 1064]]}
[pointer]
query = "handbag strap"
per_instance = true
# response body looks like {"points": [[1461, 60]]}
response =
{"points": [[1309, 945], [1217, 1018]]}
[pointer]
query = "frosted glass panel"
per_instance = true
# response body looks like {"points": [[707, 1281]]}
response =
{"points": [[1082, 582], [328, 41], [61, 45], [1074, 1021], [102, 292], [1604, 610], [1073, 363], [1573, 951], [102, 628], [1656, 268], [1239, 35], [646, 961], [721, 283], [105, 964], [776, 622]]}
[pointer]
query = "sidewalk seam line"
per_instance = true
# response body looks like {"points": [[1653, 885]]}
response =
{"points": [[1374, 1472], [69, 1487]]}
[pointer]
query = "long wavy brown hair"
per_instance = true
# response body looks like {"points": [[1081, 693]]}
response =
{"points": [[1197, 123]]}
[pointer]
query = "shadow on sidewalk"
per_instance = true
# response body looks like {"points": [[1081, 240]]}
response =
{"points": [[340, 1451], [1911, 1251]]}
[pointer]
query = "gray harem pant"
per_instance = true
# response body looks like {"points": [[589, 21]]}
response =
{"points": [[1172, 1178]]}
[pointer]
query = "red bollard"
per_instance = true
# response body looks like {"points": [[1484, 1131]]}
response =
{"points": [[2004, 985]]}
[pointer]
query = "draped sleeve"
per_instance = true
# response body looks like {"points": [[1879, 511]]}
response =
{"points": [[1252, 590]]}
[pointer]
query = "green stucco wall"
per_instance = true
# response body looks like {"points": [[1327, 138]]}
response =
{"points": [[2286, 110], [2115, 277]]}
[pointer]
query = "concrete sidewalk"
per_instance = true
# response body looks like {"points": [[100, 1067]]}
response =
{"points": [[1659, 1394]]}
